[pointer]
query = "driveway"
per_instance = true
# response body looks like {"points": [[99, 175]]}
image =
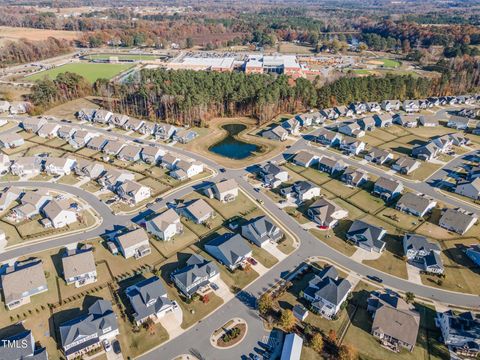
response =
{"points": [[172, 321], [362, 254], [223, 290], [413, 274], [272, 249]]}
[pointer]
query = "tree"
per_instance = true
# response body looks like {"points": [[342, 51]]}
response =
{"points": [[332, 336], [189, 43], [362, 47], [409, 297], [265, 303], [347, 352], [287, 320], [317, 342]]}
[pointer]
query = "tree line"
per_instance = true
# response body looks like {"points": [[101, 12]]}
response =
{"points": [[24, 51]]}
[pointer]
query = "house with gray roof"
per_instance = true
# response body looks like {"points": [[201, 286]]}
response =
{"points": [[184, 136], [383, 120], [133, 124], [118, 120], [90, 169], [458, 122], [102, 116], [469, 188], [395, 323], [373, 106], [28, 349], [272, 175], [66, 132], [354, 177], [405, 165], [327, 292], [4, 164], [277, 133], [79, 267], [198, 210], [113, 147], [152, 154], [148, 299], [147, 128], [351, 145], [378, 156], [301, 191], [415, 204], [225, 190], [351, 129], [11, 140], [419, 250], [292, 347], [292, 125], [460, 332], [410, 106], [426, 152], [48, 130], [164, 131], [261, 230], [87, 331], [8, 195], [457, 220], [198, 273], [21, 281], [33, 124], [367, 123], [134, 243], [328, 138], [408, 121], [428, 120], [165, 226], [330, 165], [231, 250], [305, 159], [366, 236], [129, 153], [326, 213], [97, 143], [387, 189]]}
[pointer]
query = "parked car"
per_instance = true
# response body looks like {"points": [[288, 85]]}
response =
{"points": [[116, 347], [252, 261], [106, 345], [374, 278]]}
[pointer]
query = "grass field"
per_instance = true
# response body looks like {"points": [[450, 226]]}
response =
{"points": [[91, 72], [389, 63], [125, 57]]}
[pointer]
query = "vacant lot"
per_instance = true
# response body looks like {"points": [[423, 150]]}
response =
{"points": [[91, 72], [16, 33]]}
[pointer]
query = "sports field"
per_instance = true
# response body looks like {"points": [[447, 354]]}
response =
{"points": [[389, 63], [124, 57], [91, 72]]}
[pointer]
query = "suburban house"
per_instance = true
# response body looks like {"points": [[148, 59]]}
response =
{"points": [[311, 118], [198, 210], [231, 250], [352, 145], [118, 120], [129, 153], [7, 196], [354, 177], [327, 292], [329, 114], [113, 147], [457, 220], [165, 225], [261, 230], [66, 132], [58, 213], [301, 190], [428, 120], [31, 203], [113, 178], [326, 213], [343, 111], [149, 128], [197, 274], [366, 236], [387, 189], [426, 152], [390, 105], [22, 281], [11, 140], [473, 172], [48, 130], [28, 349], [292, 347], [134, 243], [133, 192], [149, 300], [405, 165], [458, 139], [169, 161], [102, 116], [85, 114], [415, 204], [473, 252], [352, 129], [458, 122], [97, 143], [133, 124], [444, 143], [277, 133], [373, 106], [395, 323], [461, 333], [164, 131], [419, 250], [330, 166], [409, 121], [81, 138], [225, 190], [272, 175], [378, 156], [383, 120], [152, 154], [367, 123], [328, 138], [469, 188], [186, 170], [31, 124], [300, 312], [184, 136], [4, 164], [292, 125], [305, 159], [87, 331], [358, 107], [410, 106], [79, 267], [89, 169], [59, 166]]}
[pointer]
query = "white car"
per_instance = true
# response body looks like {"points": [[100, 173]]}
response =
{"points": [[106, 345]]}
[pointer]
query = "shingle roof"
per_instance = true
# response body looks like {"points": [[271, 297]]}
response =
{"points": [[414, 202], [143, 293], [232, 246], [27, 276], [79, 263], [197, 267]]}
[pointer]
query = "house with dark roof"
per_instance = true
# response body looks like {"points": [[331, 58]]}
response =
{"points": [[326, 213], [261, 230], [231, 250], [366, 236], [426, 152], [395, 323], [272, 175], [148, 299], [457, 220], [378, 156], [277, 133], [21, 346], [301, 191], [87, 332], [405, 165], [460, 332], [473, 252], [354, 177], [387, 189], [197, 274], [327, 292], [415, 204], [419, 250]]}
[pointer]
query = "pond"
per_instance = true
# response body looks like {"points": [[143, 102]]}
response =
{"points": [[232, 147]]}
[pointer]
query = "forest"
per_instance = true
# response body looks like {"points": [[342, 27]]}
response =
{"points": [[23, 51]]}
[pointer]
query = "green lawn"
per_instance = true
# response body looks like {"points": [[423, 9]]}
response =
{"points": [[91, 72], [389, 63]]}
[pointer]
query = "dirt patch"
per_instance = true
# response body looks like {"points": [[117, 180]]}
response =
{"points": [[17, 33], [242, 330]]}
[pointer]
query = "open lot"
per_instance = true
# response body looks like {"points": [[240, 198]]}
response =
{"points": [[16, 33], [89, 71]]}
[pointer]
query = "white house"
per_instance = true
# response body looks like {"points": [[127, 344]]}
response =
{"points": [[165, 225]]}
